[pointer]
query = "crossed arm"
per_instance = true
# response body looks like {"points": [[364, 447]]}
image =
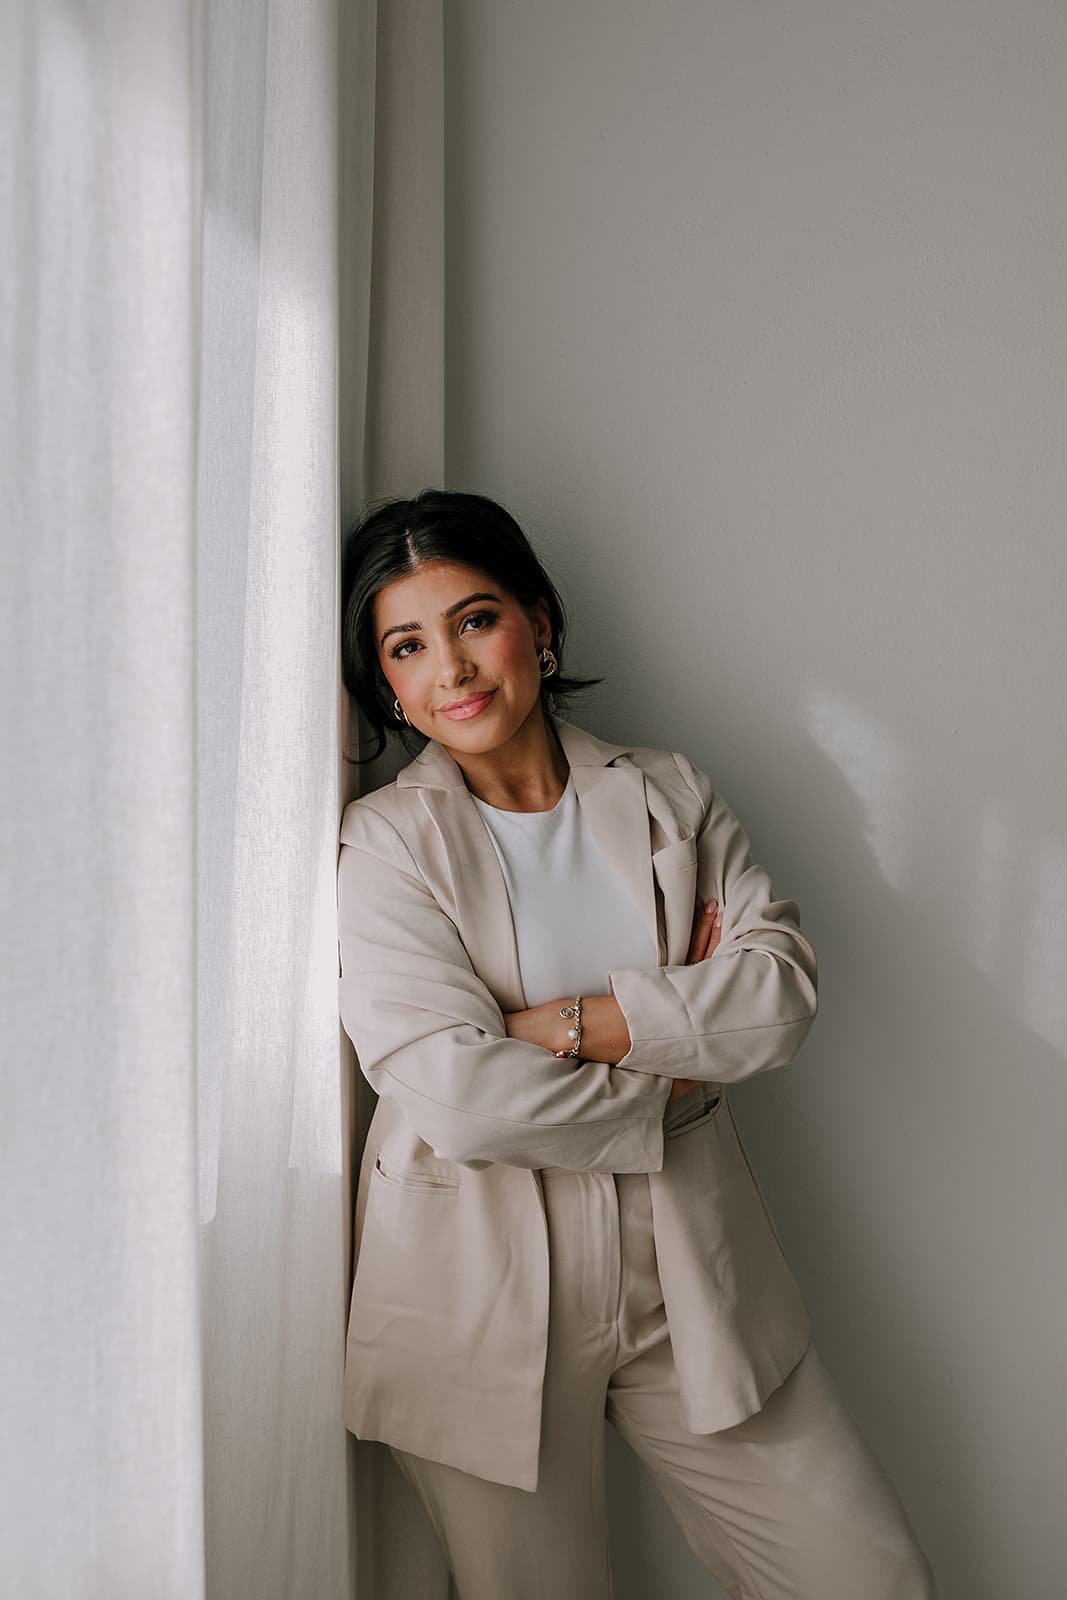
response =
{"points": [[480, 1087], [605, 1035]]}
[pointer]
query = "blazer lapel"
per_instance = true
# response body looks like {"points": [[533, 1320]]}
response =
{"points": [[480, 894], [615, 805]]}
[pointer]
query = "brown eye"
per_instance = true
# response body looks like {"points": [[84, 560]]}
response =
{"points": [[488, 617]]}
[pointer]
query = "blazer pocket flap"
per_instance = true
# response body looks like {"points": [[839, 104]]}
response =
{"points": [[411, 1181], [699, 1107], [678, 856]]}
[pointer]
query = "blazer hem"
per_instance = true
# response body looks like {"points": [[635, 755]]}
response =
{"points": [[483, 1455], [717, 1416]]}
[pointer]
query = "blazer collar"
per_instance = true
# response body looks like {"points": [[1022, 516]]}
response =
{"points": [[434, 768], [616, 807]]}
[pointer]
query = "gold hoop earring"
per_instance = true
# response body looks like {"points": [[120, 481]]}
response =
{"points": [[547, 660], [400, 716]]}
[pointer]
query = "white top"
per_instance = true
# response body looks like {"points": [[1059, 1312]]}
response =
{"points": [[574, 919]]}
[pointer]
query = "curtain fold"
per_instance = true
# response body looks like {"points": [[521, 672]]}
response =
{"points": [[208, 352], [272, 1199]]}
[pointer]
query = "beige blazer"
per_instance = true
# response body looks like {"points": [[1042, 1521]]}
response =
{"points": [[447, 1333]]}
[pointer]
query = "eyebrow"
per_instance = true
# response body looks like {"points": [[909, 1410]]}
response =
{"points": [[416, 627]]}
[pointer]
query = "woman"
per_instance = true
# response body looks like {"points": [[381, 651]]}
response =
{"points": [[556, 953]]}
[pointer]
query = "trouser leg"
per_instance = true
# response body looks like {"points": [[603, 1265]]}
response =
{"points": [[504, 1543], [790, 1504]]}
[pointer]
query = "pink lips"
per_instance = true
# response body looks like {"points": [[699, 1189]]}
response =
{"points": [[468, 708]]}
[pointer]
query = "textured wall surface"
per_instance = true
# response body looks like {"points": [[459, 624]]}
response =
{"points": [[757, 319]]}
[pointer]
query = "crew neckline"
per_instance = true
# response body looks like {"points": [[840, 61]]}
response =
{"points": [[502, 811]]}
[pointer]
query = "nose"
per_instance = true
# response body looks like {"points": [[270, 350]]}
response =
{"points": [[454, 666]]}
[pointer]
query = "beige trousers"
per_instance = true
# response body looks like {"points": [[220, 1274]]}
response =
{"points": [[790, 1504]]}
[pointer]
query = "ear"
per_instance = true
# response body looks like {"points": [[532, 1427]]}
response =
{"points": [[542, 623]]}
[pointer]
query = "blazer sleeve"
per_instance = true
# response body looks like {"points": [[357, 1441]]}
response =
{"points": [[430, 1036], [750, 1004]]}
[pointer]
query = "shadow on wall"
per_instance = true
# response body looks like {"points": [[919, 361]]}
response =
{"points": [[918, 1185]]}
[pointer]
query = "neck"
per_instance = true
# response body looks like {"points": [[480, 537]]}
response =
{"points": [[527, 773]]}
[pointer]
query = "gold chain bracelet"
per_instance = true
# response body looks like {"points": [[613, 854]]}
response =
{"points": [[574, 1033]]}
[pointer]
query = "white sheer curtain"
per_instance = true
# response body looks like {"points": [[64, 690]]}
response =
{"points": [[179, 1123]]}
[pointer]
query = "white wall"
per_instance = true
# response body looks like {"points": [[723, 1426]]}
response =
{"points": [[757, 320]]}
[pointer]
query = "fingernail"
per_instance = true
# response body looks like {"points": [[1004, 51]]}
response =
{"points": [[711, 906]]}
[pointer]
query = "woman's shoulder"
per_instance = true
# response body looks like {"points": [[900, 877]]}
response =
{"points": [[376, 822], [674, 774], [670, 768]]}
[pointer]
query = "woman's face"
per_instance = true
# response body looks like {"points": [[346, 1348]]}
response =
{"points": [[461, 654]]}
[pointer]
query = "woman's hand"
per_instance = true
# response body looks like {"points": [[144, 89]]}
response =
{"points": [[541, 1025], [703, 941], [605, 1036]]}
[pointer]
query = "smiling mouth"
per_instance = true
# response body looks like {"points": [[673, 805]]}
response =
{"points": [[469, 707]]}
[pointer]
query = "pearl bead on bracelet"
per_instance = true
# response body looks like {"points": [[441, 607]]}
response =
{"points": [[574, 1033]]}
